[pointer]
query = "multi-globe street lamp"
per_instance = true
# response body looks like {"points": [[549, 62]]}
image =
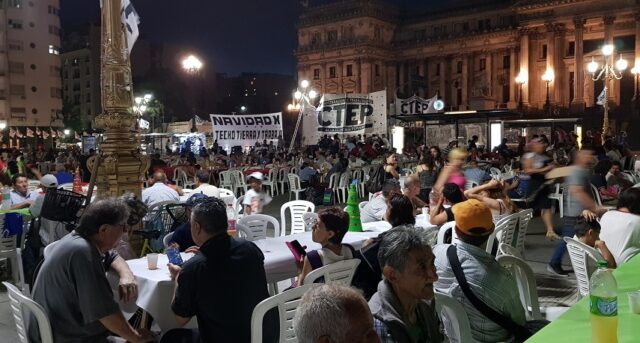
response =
{"points": [[302, 95], [192, 65], [607, 74], [141, 105]]}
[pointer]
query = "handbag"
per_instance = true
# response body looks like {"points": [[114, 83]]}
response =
{"points": [[520, 332]]}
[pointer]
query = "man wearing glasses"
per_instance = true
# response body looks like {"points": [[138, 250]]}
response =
{"points": [[72, 286]]}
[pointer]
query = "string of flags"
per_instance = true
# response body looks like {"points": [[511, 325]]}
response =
{"points": [[37, 132]]}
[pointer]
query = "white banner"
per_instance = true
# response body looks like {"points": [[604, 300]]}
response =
{"points": [[345, 115], [415, 105], [247, 129]]}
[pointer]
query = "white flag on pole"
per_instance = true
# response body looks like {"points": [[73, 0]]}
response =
{"points": [[602, 96], [130, 20]]}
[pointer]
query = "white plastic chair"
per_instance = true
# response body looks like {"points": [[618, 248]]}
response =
{"points": [[283, 181], [239, 181], [9, 251], [457, 327], [596, 194], [286, 303], [506, 249], [579, 253], [343, 188], [19, 303], [257, 224], [341, 272], [526, 282], [523, 225], [294, 185], [226, 179], [557, 195], [271, 181], [167, 238], [448, 226], [238, 207], [362, 204], [334, 180], [505, 232], [296, 209]]}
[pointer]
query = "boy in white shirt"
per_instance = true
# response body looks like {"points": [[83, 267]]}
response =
{"points": [[255, 199]]}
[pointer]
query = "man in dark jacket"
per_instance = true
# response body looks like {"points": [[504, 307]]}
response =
{"points": [[401, 308]]}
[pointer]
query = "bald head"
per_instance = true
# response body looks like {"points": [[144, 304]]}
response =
{"points": [[159, 176], [333, 313]]}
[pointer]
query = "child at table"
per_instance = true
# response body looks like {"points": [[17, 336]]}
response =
{"points": [[588, 232], [328, 231], [255, 199]]}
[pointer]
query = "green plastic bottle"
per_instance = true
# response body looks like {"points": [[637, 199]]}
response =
{"points": [[352, 208]]}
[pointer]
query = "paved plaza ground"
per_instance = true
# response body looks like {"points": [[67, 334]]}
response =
{"points": [[553, 291]]}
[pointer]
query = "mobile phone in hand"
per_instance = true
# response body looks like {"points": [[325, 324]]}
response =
{"points": [[174, 256], [297, 250]]}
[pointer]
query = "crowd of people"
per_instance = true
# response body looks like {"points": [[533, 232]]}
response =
{"points": [[221, 285]]}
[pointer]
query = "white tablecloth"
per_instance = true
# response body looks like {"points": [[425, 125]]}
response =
{"points": [[155, 288]]}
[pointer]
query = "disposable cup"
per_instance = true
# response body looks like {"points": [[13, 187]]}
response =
{"points": [[634, 302], [152, 261]]}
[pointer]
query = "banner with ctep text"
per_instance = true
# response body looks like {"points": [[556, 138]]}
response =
{"points": [[246, 129]]}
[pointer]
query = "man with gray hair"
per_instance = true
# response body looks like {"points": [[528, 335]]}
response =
{"points": [[403, 308], [72, 286], [332, 313], [158, 190]]}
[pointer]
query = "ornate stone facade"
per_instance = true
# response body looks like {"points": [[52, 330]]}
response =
{"points": [[471, 56]]}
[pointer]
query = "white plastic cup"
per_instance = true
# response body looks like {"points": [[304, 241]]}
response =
{"points": [[634, 301], [152, 261]]}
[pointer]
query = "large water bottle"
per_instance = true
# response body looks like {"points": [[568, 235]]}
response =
{"points": [[231, 220], [603, 305]]}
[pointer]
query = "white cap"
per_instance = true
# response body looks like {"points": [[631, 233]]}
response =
{"points": [[256, 175], [49, 181]]}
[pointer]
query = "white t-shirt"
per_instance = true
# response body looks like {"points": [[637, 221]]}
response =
{"points": [[621, 232], [327, 256], [256, 200]]}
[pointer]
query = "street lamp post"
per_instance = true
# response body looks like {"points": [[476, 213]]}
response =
{"points": [[521, 79], [141, 106], [302, 95], [192, 65], [548, 77], [607, 73], [636, 72]]}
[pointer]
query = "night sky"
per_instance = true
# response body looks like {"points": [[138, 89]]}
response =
{"points": [[233, 35]]}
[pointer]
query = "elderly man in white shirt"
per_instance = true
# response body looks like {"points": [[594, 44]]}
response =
{"points": [[159, 190], [203, 186], [621, 228], [488, 281]]}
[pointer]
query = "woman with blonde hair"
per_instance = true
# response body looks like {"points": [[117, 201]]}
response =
{"points": [[494, 195], [452, 172]]}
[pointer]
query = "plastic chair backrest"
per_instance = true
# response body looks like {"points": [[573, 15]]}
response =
{"points": [[526, 282], [238, 206], [273, 175], [341, 272], [32, 185], [296, 209], [523, 225], [333, 180], [239, 178], [294, 182], [344, 180], [579, 253], [454, 317], [449, 226], [226, 193], [8, 243], [257, 225], [596, 194], [19, 302], [506, 249], [286, 303], [505, 231]]}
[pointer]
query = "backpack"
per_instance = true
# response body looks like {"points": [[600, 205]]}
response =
{"points": [[315, 195], [368, 273], [377, 177]]}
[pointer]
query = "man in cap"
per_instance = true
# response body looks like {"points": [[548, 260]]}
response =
{"points": [[255, 199], [487, 280]]}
